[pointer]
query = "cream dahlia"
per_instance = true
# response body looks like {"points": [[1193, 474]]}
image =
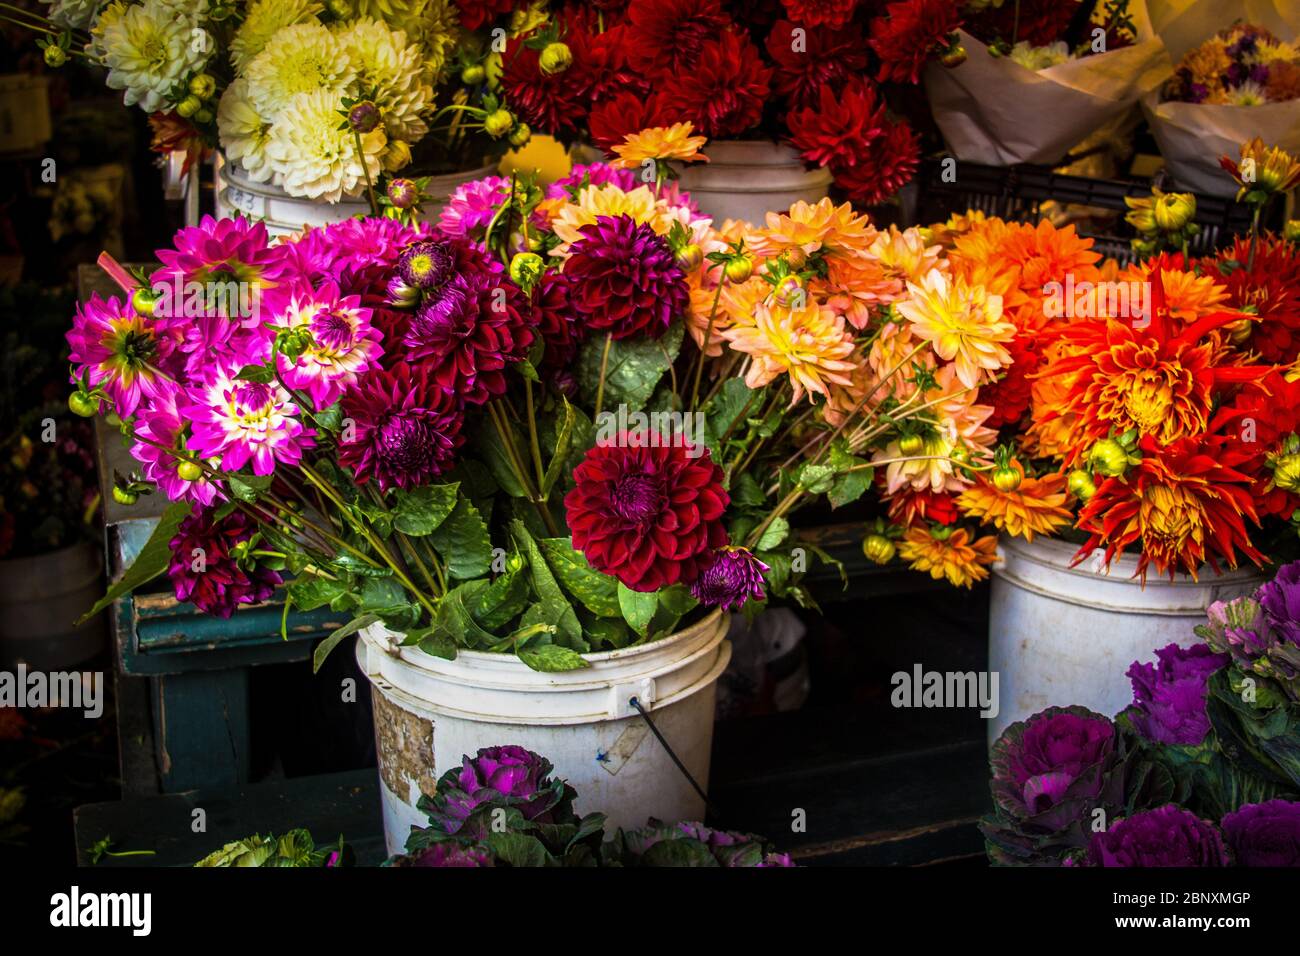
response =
{"points": [[264, 19], [244, 132], [148, 49], [303, 58], [312, 157], [390, 72]]}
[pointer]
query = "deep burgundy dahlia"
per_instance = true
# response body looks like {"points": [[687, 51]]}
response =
{"points": [[731, 577], [841, 128], [623, 278], [612, 120], [427, 264], [557, 322], [648, 515], [909, 33], [470, 329], [884, 169], [724, 93], [203, 571], [820, 13], [475, 13], [405, 428], [816, 58], [668, 36]]}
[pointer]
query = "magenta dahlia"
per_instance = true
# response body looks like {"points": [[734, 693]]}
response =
{"points": [[650, 515], [126, 354], [163, 424], [405, 428], [624, 279], [724, 92], [205, 572], [730, 577], [342, 343]]}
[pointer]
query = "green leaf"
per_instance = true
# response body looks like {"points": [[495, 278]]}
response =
{"points": [[848, 485], [324, 647], [633, 369], [563, 439], [150, 562], [248, 487], [607, 633], [551, 658], [552, 599], [309, 593], [776, 533], [638, 607], [462, 540], [597, 592], [677, 599], [502, 601], [422, 510], [816, 479], [263, 374], [456, 623], [380, 593], [519, 849], [745, 492], [498, 459]]}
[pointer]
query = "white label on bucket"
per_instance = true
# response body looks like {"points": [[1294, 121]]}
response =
{"points": [[614, 758], [245, 202]]}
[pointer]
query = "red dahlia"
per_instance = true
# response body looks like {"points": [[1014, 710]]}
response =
{"points": [[1010, 395], [909, 33], [405, 428], [1272, 287], [475, 13], [909, 507], [600, 64], [813, 59], [547, 103], [650, 516], [204, 571], [624, 113], [723, 95], [624, 279], [667, 36], [820, 13], [841, 128], [885, 169], [1037, 22], [557, 322]]}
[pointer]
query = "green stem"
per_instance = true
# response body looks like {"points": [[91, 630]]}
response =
{"points": [[370, 186], [604, 364], [708, 334], [532, 435]]}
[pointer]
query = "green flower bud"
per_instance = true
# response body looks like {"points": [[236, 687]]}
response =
{"points": [[473, 75], [555, 58], [520, 135], [526, 268], [1108, 458], [878, 548], [1081, 485], [55, 56], [1173, 211], [498, 123], [189, 106], [203, 86]]}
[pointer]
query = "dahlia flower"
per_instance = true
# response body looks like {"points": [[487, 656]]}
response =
{"points": [[163, 423], [821, 57], [342, 343], [244, 132], [262, 21], [963, 323], [1167, 836], [724, 92], [820, 13], [1272, 169], [549, 102], [731, 577], [841, 127], [125, 354], [668, 37], [885, 168], [472, 206], [406, 428], [388, 71], [242, 421], [612, 120], [908, 33], [477, 13], [1036, 506], [150, 48], [623, 279], [220, 251], [809, 344], [312, 157], [660, 143], [302, 58], [76, 14], [955, 557], [650, 515], [609, 200], [1271, 287], [557, 322], [810, 228], [203, 570]]}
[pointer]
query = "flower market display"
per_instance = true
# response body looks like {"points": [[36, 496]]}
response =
{"points": [[1200, 770]]}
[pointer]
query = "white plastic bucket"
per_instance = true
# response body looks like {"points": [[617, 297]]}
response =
{"points": [[429, 712], [1060, 635], [237, 195], [747, 179]]}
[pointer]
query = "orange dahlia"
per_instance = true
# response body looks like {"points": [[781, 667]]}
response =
{"points": [[660, 143], [955, 557], [811, 228], [963, 323], [808, 344], [1037, 506]]}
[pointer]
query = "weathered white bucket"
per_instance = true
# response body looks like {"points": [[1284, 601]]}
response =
{"points": [[747, 179], [430, 712], [24, 112], [283, 214], [1060, 635], [40, 599]]}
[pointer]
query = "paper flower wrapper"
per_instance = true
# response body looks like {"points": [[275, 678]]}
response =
{"points": [[994, 111], [1192, 136]]}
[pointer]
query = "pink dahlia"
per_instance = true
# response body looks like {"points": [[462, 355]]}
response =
{"points": [[595, 174], [724, 92], [128, 355], [240, 421], [730, 577], [205, 573], [807, 63], [648, 515], [472, 206], [624, 279], [343, 344], [162, 423], [406, 428], [841, 128], [362, 243]]}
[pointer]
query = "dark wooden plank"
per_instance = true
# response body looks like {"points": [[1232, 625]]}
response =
{"points": [[329, 805]]}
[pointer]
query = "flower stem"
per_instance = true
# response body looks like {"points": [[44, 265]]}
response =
{"points": [[532, 435], [704, 347], [370, 186], [604, 365]]}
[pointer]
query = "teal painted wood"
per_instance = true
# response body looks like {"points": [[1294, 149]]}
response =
{"points": [[201, 729]]}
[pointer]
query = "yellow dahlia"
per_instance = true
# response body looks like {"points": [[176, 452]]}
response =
{"points": [[608, 200], [1037, 506], [389, 72], [302, 58], [963, 322], [809, 344], [659, 143], [957, 558], [906, 256]]}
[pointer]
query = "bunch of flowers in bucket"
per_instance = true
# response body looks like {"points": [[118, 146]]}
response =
{"points": [[319, 99], [1211, 735], [557, 422], [502, 807], [653, 74], [1150, 407]]}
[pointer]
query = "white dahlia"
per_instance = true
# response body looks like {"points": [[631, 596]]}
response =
{"points": [[265, 18], [390, 70], [76, 14], [432, 25], [148, 49], [312, 157], [244, 132], [302, 58]]}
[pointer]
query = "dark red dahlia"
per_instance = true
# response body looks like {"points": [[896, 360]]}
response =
{"points": [[557, 322], [624, 279], [470, 329], [668, 36], [600, 63], [648, 515], [205, 573], [731, 577], [820, 13], [475, 13], [1037, 22], [724, 93], [549, 103], [405, 428], [885, 169], [612, 120], [909, 33], [1272, 288], [1010, 395], [813, 59], [841, 128]]}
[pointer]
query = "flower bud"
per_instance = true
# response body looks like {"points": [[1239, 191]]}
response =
{"points": [[689, 257], [955, 55], [496, 124], [526, 268], [1081, 485], [143, 300], [473, 75], [1173, 211], [403, 193], [911, 444], [401, 294], [878, 548], [55, 56], [203, 86], [363, 117], [203, 116], [556, 58], [339, 9], [1291, 231], [1239, 331], [790, 293], [188, 106], [123, 496], [189, 471], [521, 135], [1108, 458], [1006, 478], [83, 404], [1286, 473], [739, 268]]}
